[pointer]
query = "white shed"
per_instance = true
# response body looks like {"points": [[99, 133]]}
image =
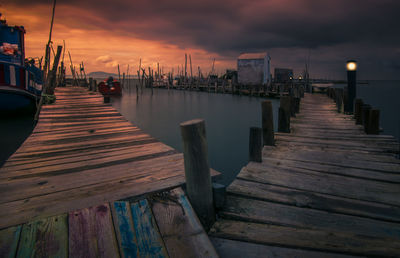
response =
{"points": [[254, 68]]}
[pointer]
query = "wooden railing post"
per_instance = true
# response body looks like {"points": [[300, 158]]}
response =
{"points": [[255, 144], [284, 115], [267, 123], [197, 170]]}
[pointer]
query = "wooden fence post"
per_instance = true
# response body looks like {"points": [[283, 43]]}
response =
{"points": [[267, 123], [373, 122], [284, 115], [197, 170], [357, 111], [255, 144]]}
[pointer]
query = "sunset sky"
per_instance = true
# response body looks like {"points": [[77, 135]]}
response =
{"points": [[104, 33]]}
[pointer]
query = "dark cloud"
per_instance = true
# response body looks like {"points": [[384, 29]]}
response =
{"points": [[229, 27]]}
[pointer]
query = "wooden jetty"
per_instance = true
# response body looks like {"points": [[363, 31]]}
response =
{"points": [[88, 183], [326, 189]]}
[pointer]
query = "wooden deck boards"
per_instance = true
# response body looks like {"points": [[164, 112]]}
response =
{"points": [[82, 153], [161, 225], [326, 190]]}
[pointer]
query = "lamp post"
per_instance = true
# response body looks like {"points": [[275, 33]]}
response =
{"points": [[351, 85]]}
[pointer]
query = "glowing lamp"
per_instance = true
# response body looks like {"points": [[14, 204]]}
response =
{"points": [[351, 65]]}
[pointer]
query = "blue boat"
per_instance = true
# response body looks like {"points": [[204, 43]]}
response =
{"points": [[20, 81]]}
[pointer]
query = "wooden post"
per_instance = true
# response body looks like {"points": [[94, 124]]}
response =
{"points": [[297, 105], [365, 115], [292, 106], [357, 111], [373, 122], [267, 123], [255, 145], [339, 100], [106, 99], [95, 85], [91, 84], [197, 170], [284, 115]]}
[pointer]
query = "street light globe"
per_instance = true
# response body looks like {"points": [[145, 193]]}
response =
{"points": [[351, 65]]}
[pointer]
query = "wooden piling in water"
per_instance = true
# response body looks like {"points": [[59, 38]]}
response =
{"points": [[373, 122], [197, 170], [284, 115], [267, 123], [365, 114], [357, 111], [255, 144]]}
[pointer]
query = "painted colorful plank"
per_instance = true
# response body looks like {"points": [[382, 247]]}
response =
{"points": [[179, 226], [91, 233], [9, 238], [150, 243], [125, 231], [44, 238]]}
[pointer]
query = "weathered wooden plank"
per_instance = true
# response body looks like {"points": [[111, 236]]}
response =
{"points": [[73, 148], [179, 226], [227, 248], [74, 159], [91, 233], [323, 183], [333, 159], [124, 229], [44, 238], [389, 177], [281, 214], [339, 143], [9, 238], [314, 200], [304, 238], [150, 243], [156, 179], [36, 184]]}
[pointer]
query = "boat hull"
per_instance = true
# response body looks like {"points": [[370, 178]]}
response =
{"points": [[106, 90], [14, 101]]}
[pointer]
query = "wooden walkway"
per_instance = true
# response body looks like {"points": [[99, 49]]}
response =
{"points": [[325, 190], [82, 153]]}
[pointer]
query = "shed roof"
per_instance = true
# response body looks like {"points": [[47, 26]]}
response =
{"points": [[261, 55]]}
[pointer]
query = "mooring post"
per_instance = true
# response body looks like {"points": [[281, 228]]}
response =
{"points": [[365, 115], [90, 84], [357, 111], [284, 115], [267, 123], [339, 100], [255, 144], [297, 105], [373, 122], [292, 106], [197, 170]]}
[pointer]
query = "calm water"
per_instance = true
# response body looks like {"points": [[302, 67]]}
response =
{"points": [[228, 119]]}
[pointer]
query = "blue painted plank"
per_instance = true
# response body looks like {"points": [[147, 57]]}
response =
{"points": [[150, 243], [125, 231], [9, 238], [44, 238]]}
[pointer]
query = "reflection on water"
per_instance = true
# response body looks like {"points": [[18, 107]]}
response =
{"points": [[228, 119]]}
